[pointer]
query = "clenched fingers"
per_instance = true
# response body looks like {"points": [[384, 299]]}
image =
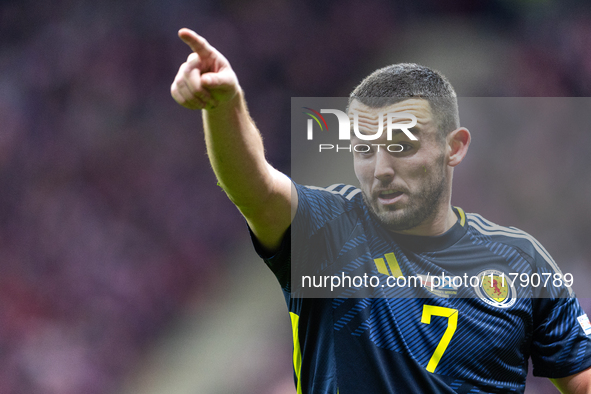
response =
{"points": [[187, 89]]}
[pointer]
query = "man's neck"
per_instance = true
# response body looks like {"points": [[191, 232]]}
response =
{"points": [[436, 226]]}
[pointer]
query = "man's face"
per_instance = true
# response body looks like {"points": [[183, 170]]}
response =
{"points": [[403, 189]]}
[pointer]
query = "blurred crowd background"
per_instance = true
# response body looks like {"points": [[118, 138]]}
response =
{"points": [[112, 228]]}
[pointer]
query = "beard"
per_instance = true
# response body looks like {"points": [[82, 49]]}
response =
{"points": [[422, 205]]}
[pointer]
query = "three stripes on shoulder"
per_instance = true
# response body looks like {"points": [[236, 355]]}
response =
{"points": [[347, 191]]}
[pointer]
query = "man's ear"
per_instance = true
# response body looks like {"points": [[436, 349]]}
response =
{"points": [[457, 142]]}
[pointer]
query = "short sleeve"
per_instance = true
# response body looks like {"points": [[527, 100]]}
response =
{"points": [[306, 241], [318, 206], [560, 345]]}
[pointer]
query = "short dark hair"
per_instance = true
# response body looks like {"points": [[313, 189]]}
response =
{"points": [[399, 82]]}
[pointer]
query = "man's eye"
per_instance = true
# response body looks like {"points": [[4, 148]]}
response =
{"points": [[400, 148], [364, 151], [368, 152]]}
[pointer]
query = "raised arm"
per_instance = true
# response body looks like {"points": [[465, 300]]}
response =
{"points": [[263, 194]]}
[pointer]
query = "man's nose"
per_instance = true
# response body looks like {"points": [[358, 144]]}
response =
{"points": [[384, 170]]}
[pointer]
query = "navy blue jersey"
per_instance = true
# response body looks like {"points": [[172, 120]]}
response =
{"points": [[431, 336]]}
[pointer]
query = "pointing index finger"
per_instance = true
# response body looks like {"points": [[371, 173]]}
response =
{"points": [[197, 43]]}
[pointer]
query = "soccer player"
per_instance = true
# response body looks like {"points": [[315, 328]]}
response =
{"points": [[430, 338]]}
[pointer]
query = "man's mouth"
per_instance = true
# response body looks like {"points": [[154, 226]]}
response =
{"points": [[389, 196]]}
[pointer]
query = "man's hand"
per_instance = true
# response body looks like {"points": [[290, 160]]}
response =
{"points": [[234, 144], [206, 79]]}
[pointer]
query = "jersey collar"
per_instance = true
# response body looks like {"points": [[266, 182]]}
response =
{"points": [[419, 243]]}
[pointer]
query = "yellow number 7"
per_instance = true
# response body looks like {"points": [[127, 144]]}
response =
{"points": [[452, 324]]}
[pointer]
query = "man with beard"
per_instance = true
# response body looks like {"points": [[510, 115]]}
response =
{"points": [[400, 224]]}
